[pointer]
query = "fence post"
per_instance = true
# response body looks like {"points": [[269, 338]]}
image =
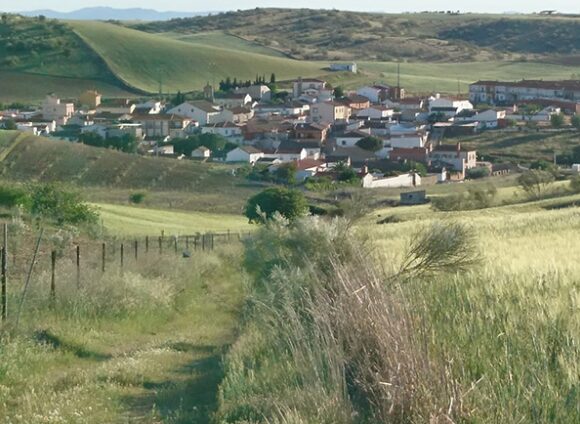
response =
{"points": [[187, 242], [78, 266], [195, 243], [175, 243], [146, 244], [122, 256], [160, 245], [104, 257], [52, 278], [203, 242], [4, 276], [212, 241], [136, 249]]}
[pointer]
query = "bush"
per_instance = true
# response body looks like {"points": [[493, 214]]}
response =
{"points": [[557, 120], [12, 196], [576, 121], [49, 201], [475, 198], [137, 197], [575, 184], [371, 143], [290, 204], [536, 183], [478, 172]]}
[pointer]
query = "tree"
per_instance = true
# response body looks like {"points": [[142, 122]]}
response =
{"points": [[576, 121], [273, 78], [9, 124], [286, 173], [178, 99], [437, 117], [291, 204], [536, 182], [557, 120], [339, 92], [370, 143], [49, 201]]}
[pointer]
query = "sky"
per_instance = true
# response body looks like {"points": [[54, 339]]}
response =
{"points": [[489, 6]]}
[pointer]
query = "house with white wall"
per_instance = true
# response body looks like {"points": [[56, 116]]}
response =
{"points": [[54, 109], [449, 107], [247, 154], [200, 111]]}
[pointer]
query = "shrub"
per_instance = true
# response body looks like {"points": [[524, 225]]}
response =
{"points": [[557, 120], [370, 143], [49, 201], [475, 198], [12, 196], [575, 184], [290, 204], [478, 172], [137, 197], [576, 121], [536, 183]]}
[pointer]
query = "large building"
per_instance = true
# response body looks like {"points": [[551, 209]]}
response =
{"points": [[498, 92]]}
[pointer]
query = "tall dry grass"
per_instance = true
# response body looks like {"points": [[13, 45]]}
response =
{"points": [[329, 341]]}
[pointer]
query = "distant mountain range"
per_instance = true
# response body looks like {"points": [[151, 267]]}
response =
{"points": [[107, 13]]}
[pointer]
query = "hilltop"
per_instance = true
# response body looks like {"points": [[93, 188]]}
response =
{"points": [[39, 54], [107, 13], [339, 35]]}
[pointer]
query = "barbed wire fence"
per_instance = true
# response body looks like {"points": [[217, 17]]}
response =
{"points": [[82, 262]]}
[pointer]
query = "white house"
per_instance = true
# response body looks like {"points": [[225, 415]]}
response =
{"points": [[258, 92], [201, 111], [246, 154], [288, 151], [350, 138], [379, 181], [201, 152], [376, 112], [312, 86], [377, 93], [230, 100], [345, 67], [487, 119], [449, 107], [231, 131], [454, 157]]}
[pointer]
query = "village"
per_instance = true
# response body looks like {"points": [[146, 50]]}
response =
{"points": [[374, 136]]}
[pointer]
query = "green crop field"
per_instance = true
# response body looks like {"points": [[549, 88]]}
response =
{"points": [[144, 60], [223, 40], [133, 221]]}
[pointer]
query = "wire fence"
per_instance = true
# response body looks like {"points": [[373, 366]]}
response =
{"points": [[83, 262]]}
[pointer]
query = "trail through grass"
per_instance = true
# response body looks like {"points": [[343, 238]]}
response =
{"points": [[151, 355]]}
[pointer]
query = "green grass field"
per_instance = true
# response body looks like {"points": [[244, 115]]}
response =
{"points": [[112, 175], [134, 221], [144, 60]]}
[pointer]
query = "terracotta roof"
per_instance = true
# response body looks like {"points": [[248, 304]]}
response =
{"points": [[307, 163]]}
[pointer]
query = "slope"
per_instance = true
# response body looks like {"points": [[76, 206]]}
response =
{"points": [[147, 61], [41, 159]]}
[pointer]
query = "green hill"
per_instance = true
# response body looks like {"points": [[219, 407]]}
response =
{"points": [[144, 60], [102, 170]]}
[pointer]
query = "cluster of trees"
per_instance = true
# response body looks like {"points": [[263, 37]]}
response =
{"points": [[126, 143], [288, 203], [228, 84], [49, 202], [218, 145]]}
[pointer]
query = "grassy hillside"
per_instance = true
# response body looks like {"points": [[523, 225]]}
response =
{"points": [[333, 34], [144, 60], [41, 159], [525, 146]]}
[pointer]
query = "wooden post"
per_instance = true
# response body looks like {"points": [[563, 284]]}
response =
{"points": [[122, 256], [212, 245], [195, 243], [136, 250], [160, 245], [187, 242], [104, 257], [78, 266], [4, 273], [203, 242], [175, 243], [52, 278], [146, 244]]}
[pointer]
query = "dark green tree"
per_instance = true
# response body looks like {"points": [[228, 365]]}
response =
{"points": [[338, 92], [370, 143], [9, 124], [291, 204], [557, 120]]}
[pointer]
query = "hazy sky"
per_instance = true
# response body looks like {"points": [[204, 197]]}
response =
{"points": [[493, 6]]}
